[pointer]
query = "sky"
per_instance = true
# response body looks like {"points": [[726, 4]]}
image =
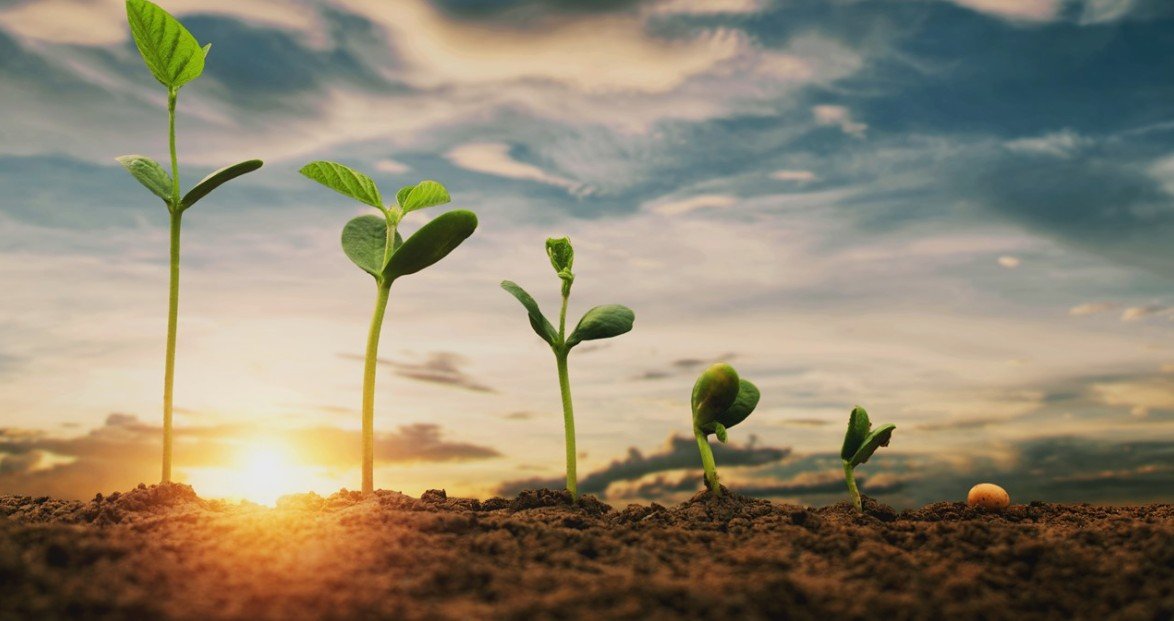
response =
{"points": [[955, 213]]}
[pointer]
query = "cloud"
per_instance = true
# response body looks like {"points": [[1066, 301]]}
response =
{"points": [[1135, 313], [801, 176], [676, 207], [439, 367], [1141, 395], [1029, 11], [391, 167], [678, 453], [493, 158], [1009, 262], [1063, 144], [838, 116], [1091, 308], [707, 7]]}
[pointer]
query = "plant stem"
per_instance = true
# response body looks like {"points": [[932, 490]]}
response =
{"points": [[173, 291], [707, 462], [369, 389], [850, 477], [564, 384]]}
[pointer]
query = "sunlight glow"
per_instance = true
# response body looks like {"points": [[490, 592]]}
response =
{"points": [[261, 472]]}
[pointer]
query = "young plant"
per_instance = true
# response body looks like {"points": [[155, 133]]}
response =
{"points": [[375, 245], [860, 443], [720, 400], [175, 58], [601, 322]]}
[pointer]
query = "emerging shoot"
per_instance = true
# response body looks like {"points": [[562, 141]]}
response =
{"points": [[860, 443], [720, 400], [375, 245], [175, 58], [601, 322]]}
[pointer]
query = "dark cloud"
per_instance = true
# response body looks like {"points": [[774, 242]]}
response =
{"points": [[439, 367], [804, 422], [125, 451], [678, 453], [520, 416], [682, 366]]}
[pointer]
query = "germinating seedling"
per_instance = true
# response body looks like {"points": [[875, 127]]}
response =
{"points": [[720, 400], [375, 245], [175, 58], [860, 442], [601, 322]]}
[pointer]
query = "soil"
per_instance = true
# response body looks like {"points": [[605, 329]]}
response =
{"points": [[161, 552]]}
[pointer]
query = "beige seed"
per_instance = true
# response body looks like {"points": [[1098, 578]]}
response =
{"points": [[988, 496]]}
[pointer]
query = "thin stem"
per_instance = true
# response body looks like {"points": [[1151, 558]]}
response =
{"points": [[369, 389], [173, 292], [707, 462], [564, 384], [850, 477]]}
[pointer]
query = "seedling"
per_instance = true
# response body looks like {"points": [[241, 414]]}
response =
{"points": [[601, 322], [721, 400], [175, 58], [375, 245], [860, 443]]}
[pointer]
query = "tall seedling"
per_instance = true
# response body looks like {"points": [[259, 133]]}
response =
{"points": [[600, 322], [375, 245], [174, 58]]}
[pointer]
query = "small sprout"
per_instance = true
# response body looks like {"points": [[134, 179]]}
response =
{"points": [[988, 496], [375, 245], [860, 442], [175, 58], [720, 400], [601, 322]]}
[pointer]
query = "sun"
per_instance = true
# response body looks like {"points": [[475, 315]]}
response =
{"points": [[266, 472]]}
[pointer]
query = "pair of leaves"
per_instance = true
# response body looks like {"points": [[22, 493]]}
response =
{"points": [[721, 399], [171, 52], [153, 177], [354, 184], [861, 440], [601, 322], [364, 240]]}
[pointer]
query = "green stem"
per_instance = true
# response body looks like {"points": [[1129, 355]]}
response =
{"points": [[850, 477], [564, 384], [369, 389], [707, 462], [173, 293]]}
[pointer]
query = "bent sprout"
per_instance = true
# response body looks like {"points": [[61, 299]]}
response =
{"points": [[720, 400], [375, 245]]}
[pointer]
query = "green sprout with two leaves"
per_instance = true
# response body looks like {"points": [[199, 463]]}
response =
{"points": [[601, 322], [175, 58], [375, 245], [720, 400], [860, 442]]}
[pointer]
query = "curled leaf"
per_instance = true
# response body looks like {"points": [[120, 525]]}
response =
{"points": [[431, 243], [743, 405], [217, 179], [877, 438], [171, 52], [149, 173], [602, 322], [719, 430], [714, 392], [562, 256], [538, 321], [858, 426], [364, 240], [344, 180]]}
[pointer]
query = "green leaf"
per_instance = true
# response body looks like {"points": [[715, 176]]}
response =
{"points": [[719, 430], [364, 240], [878, 438], [421, 195], [431, 243], [344, 180], [217, 179], [171, 52], [538, 321], [714, 392], [602, 322], [743, 406], [149, 173], [858, 426], [562, 255]]}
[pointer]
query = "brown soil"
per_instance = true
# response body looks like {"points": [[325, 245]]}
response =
{"points": [[162, 552]]}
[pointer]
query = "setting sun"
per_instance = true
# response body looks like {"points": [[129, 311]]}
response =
{"points": [[261, 472]]}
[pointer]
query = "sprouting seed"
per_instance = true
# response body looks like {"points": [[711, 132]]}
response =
{"points": [[175, 58], [600, 322], [860, 442], [375, 245], [720, 400]]}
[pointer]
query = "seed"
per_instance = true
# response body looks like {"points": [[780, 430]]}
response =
{"points": [[988, 496]]}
